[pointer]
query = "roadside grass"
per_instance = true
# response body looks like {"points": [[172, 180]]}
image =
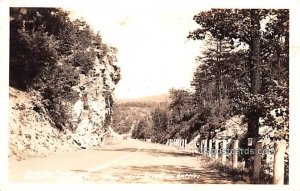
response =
{"points": [[239, 174]]}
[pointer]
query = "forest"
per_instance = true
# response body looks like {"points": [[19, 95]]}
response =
{"points": [[242, 77]]}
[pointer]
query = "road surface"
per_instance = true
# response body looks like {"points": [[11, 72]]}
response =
{"points": [[124, 161]]}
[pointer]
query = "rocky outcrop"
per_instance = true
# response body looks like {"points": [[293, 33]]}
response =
{"points": [[92, 113], [31, 131]]}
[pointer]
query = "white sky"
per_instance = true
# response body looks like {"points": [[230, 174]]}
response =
{"points": [[154, 53]]}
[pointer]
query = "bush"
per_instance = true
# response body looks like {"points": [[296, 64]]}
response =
{"points": [[84, 60]]}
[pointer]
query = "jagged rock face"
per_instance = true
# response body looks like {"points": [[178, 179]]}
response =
{"points": [[94, 106], [30, 131], [33, 134]]}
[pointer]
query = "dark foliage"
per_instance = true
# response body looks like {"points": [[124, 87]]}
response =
{"points": [[48, 51]]}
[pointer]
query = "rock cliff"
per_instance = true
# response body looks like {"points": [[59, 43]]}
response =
{"points": [[31, 131]]}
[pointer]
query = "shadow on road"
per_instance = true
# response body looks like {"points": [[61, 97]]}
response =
{"points": [[159, 171], [155, 152]]}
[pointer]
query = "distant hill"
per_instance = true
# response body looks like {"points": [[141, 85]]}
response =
{"points": [[128, 112], [154, 98]]}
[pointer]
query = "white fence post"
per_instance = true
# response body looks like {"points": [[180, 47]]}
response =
{"points": [[278, 174], [257, 160], [210, 147], [216, 149], [205, 146], [235, 154], [224, 151], [182, 144]]}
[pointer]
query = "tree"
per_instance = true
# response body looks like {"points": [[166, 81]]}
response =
{"points": [[32, 46], [253, 75], [179, 100], [243, 26], [159, 119]]}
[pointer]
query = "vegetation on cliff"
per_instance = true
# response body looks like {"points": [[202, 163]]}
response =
{"points": [[49, 53], [62, 78]]}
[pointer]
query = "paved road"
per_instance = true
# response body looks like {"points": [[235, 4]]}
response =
{"points": [[125, 161]]}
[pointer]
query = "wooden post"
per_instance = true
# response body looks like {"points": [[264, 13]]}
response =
{"points": [[278, 174], [235, 154], [210, 147], [204, 146], [257, 160], [185, 143], [200, 146], [216, 149], [224, 142]]}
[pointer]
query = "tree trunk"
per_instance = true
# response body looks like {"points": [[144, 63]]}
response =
{"points": [[219, 73], [253, 126], [255, 74], [255, 53], [179, 114]]}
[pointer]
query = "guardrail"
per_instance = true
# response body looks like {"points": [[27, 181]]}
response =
{"points": [[221, 152], [180, 143]]}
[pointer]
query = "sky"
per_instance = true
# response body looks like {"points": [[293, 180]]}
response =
{"points": [[153, 51]]}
